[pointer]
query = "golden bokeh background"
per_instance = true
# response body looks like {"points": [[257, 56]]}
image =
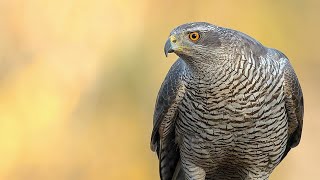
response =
{"points": [[79, 78]]}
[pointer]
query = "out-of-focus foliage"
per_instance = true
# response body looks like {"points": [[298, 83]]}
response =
{"points": [[79, 78]]}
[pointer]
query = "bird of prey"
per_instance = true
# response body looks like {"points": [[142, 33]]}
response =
{"points": [[228, 109]]}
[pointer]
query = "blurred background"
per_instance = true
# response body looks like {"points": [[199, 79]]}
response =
{"points": [[79, 78]]}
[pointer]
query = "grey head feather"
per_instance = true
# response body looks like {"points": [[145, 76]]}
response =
{"points": [[213, 45]]}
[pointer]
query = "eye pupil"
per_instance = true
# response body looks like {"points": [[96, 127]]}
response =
{"points": [[194, 36]]}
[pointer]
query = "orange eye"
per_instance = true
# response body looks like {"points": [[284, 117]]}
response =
{"points": [[194, 36]]}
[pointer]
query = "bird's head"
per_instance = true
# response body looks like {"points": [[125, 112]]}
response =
{"points": [[196, 42]]}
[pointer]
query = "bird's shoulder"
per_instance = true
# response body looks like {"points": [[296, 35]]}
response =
{"points": [[170, 94], [294, 103]]}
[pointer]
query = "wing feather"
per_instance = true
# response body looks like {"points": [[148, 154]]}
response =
{"points": [[293, 103], [165, 115]]}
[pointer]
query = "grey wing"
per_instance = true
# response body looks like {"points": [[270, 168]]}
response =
{"points": [[293, 104], [165, 114]]}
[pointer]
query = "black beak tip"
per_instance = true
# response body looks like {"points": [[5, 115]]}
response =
{"points": [[169, 51]]}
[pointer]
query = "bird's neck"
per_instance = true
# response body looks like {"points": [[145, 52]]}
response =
{"points": [[205, 71]]}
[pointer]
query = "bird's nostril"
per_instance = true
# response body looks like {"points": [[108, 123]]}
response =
{"points": [[173, 39]]}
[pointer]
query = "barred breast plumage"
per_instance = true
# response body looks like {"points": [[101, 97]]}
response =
{"points": [[228, 109]]}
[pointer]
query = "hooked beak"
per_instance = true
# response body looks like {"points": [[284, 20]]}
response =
{"points": [[168, 47]]}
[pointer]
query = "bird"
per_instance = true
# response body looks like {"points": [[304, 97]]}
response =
{"points": [[229, 108]]}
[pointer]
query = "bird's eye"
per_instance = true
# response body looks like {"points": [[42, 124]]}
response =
{"points": [[194, 36]]}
